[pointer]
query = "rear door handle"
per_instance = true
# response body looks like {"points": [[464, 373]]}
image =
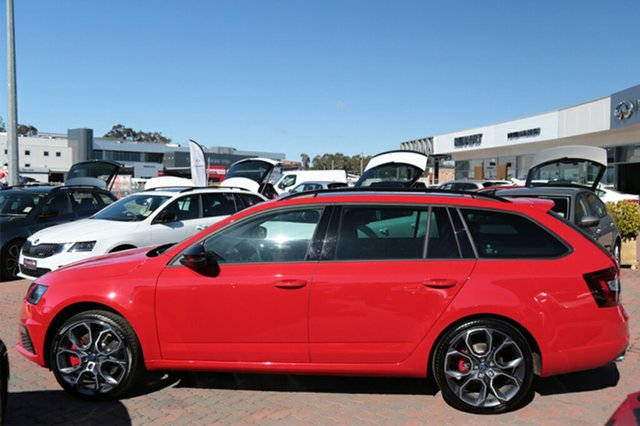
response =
{"points": [[290, 284], [440, 283]]}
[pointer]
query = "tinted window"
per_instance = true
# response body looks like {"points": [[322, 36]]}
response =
{"points": [[14, 203], [218, 204], [247, 200], [597, 206], [442, 241], [84, 203], [185, 208], [381, 233], [59, 202], [276, 237], [505, 235]]}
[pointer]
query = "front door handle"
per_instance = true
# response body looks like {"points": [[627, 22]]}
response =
{"points": [[290, 284], [201, 227], [440, 282]]}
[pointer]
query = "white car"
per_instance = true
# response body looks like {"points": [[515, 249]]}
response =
{"points": [[142, 219], [609, 195]]}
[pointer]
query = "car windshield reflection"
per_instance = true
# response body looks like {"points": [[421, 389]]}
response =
{"points": [[134, 208]]}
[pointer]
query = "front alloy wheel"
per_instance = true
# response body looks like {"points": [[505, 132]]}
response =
{"points": [[484, 366], [96, 355]]}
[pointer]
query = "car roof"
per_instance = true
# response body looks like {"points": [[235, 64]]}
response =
{"points": [[542, 190], [173, 191]]}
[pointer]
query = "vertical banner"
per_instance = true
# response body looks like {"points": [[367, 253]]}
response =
{"points": [[198, 164]]}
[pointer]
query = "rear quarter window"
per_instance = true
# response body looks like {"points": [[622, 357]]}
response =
{"points": [[502, 235]]}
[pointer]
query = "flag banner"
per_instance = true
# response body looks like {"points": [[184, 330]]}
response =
{"points": [[198, 164]]}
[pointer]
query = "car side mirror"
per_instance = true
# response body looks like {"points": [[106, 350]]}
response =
{"points": [[589, 221], [199, 260]]}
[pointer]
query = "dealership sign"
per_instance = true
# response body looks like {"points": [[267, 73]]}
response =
{"points": [[624, 107]]}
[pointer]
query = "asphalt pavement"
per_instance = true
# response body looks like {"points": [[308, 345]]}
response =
{"points": [[586, 398]]}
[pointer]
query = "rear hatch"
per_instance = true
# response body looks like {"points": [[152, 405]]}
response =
{"points": [[100, 173], [394, 169], [571, 165], [251, 174]]}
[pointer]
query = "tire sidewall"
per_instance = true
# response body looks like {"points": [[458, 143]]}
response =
{"points": [[124, 331], [451, 398]]}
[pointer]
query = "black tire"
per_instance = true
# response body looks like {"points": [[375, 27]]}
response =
{"points": [[10, 257], [96, 355], [484, 366], [616, 252]]}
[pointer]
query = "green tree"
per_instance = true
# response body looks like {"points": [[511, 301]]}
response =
{"points": [[120, 131], [304, 158], [27, 130]]}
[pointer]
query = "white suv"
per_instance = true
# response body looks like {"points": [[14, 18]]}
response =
{"points": [[142, 219]]}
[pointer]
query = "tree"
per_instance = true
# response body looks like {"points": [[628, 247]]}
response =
{"points": [[340, 161], [27, 130], [304, 158], [120, 131]]}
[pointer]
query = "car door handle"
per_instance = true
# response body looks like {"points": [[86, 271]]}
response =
{"points": [[440, 283], [201, 227], [290, 284]]}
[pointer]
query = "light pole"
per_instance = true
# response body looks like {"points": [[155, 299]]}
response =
{"points": [[12, 109]]}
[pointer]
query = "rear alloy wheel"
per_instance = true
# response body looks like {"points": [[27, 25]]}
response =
{"points": [[484, 366], [616, 252], [96, 355]]}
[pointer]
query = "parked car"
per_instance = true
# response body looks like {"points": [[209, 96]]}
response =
{"points": [[394, 169], [26, 210], [478, 292], [4, 380], [609, 195], [289, 178], [472, 185], [253, 174], [569, 176], [142, 219], [314, 186]]}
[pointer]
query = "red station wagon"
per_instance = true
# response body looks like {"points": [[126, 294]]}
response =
{"points": [[478, 292]]}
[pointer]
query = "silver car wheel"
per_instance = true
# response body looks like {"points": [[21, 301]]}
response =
{"points": [[484, 367], [92, 357]]}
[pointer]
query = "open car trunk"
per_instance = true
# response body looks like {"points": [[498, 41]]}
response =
{"points": [[394, 169], [571, 165], [100, 173]]}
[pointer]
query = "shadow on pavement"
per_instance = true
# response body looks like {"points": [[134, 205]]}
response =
{"points": [[599, 378], [60, 408], [296, 383]]}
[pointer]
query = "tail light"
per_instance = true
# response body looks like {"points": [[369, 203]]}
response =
{"points": [[604, 286]]}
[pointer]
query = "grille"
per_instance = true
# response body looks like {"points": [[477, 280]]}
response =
{"points": [[40, 250], [38, 272]]}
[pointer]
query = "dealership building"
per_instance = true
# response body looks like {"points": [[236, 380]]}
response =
{"points": [[505, 150]]}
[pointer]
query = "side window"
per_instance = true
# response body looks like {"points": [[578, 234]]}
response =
{"points": [[560, 206], [61, 204], [597, 206], [247, 200], [276, 237], [499, 235], [582, 207], [442, 241], [287, 181], [185, 208], [103, 199], [84, 203], [218, 204], [368, 233]]}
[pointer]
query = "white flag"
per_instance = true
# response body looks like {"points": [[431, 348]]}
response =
{"points": [[198, 164]]}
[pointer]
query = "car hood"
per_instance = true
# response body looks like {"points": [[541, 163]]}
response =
{"points": [[570, 165], [103, 266], [82, 230]]}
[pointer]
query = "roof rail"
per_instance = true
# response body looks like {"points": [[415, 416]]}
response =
{"points": [[382, 189], [181, 189]]}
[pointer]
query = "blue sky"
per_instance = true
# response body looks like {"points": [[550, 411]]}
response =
{"points": [[294, 76]]}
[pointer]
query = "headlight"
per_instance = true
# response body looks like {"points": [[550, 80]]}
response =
{"points": [[83, 246], [35, 293]]}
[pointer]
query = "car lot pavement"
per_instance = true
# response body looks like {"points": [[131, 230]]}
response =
{"points": [[586, 398]]}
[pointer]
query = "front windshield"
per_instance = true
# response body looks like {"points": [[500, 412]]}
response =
{"points": [[392, 174], [134, 208], [18, 203]]}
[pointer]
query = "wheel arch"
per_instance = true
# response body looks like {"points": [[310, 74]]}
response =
{"points": [[533, 344], [67, 313]]}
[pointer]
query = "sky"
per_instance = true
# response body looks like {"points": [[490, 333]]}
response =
{"points": [[313, 76]]}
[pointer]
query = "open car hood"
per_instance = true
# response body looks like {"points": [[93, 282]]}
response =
{"points": [[571, 165], [250, 173], [399, 169], [100, 173]]}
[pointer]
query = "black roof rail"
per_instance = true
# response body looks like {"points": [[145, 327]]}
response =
{"points": [[382, 189], [191, 188], [61, 187]]}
